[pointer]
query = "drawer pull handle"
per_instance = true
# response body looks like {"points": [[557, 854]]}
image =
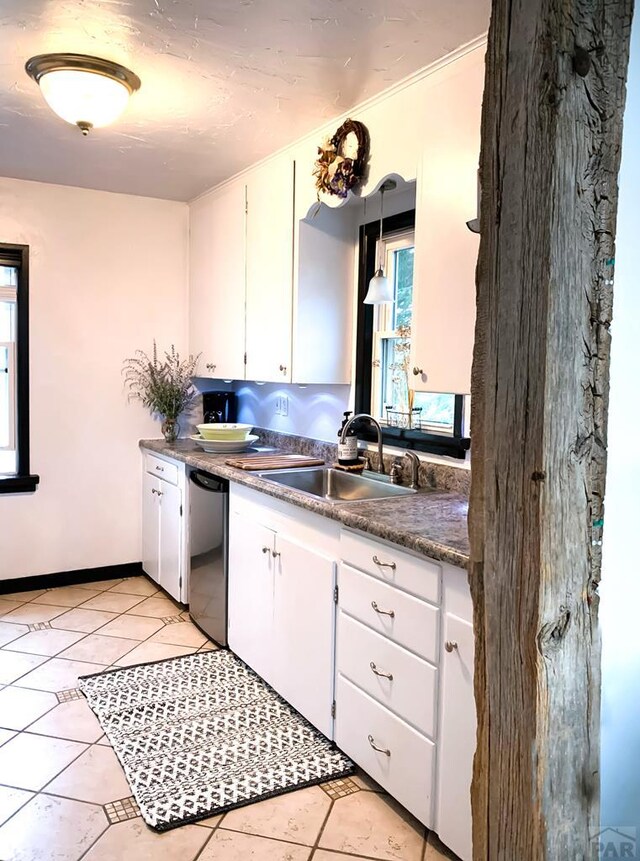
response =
{"points": [[383, 673], [159, 492], [266, 550], [159, 468], [391, 613], [450, 645], [391, 565], [384, 750]]}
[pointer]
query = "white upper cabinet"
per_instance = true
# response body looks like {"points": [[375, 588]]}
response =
{"points": [[324, 283], [269, 270], [217, 282], [446, 251]]}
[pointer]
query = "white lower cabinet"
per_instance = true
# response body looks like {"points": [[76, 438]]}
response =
{"points": [[393, 753], [392, 661], [163, 533], [395, 677], [405, 710], [457, 737], [251, 594], [281, 601]]}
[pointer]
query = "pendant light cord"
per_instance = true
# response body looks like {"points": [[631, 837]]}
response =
{"points": [[381, 220]]}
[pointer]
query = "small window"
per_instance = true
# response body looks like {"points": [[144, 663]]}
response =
{"points": [[14, 371], [384, 386]]}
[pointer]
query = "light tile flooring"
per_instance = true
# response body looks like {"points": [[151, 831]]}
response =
{"points": [[63, 794]]}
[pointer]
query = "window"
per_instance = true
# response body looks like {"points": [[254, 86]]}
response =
{"points": [[421, 420], [14, 370]]}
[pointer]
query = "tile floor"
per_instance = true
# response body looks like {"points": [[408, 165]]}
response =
{"points": [[63, 795]]}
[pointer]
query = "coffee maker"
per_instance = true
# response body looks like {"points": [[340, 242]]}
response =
{"points": [[219, 407]]}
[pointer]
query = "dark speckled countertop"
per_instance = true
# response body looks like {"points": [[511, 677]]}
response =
{"points": [[432, 522]]}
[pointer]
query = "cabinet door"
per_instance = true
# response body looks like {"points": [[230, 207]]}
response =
{"points": [[151, 526], [304, 630], [251, 597], [457, 737], [171, 539], [446, 251], [217, 288], [270, 271]]}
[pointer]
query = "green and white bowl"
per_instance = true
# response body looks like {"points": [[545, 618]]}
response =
{"points": [[224, 431]]}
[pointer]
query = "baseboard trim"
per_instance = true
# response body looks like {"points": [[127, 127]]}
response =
{"points": [[71, 578]]}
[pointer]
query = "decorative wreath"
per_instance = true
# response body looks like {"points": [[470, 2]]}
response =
{"points": [[335, 172]]}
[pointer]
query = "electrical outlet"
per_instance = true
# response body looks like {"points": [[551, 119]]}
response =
{"points": [[282, 406]]}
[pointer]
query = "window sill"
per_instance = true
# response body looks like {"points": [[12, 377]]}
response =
{"points": [[431, 443], [19, 483]]}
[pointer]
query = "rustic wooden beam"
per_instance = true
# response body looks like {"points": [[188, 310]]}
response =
{"points": [[551, 138]]}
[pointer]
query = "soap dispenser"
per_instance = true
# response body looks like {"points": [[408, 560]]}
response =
{"points": [[347, 450]]}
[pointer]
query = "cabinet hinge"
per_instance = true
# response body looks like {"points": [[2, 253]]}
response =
{"points": [[245, 358], [180, 582], [181, 511], [335, 594], [333, 709]]}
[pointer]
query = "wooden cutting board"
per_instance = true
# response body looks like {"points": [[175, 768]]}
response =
{"points": [[273, 461]]}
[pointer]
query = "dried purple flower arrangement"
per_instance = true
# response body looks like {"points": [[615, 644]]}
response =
{"points": [[164, 386]]}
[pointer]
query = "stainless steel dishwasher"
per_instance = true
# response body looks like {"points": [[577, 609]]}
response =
{"points": [[208, 528]]}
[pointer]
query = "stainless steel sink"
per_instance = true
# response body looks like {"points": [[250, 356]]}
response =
{"points": [[332, 485]]}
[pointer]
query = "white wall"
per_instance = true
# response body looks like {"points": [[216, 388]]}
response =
{"points": [[108, 275], [620, 588]]}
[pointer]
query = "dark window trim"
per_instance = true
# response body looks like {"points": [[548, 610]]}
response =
{"points": [[434, 443], [23, 481]]}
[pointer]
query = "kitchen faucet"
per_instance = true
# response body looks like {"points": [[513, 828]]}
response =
{"points": [[414, 460], [376, 424]]}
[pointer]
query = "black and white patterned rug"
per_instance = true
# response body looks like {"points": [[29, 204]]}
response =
{"points": [[201, 734]]}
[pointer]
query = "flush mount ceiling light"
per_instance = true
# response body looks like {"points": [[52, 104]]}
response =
{"points": [[380, 290], [88, 92]]}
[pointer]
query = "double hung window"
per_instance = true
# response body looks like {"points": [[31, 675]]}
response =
{"points": [[427, 421], [14, 370]]}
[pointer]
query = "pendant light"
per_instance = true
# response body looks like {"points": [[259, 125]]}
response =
{"points": [[380, 290], [88, 92]]}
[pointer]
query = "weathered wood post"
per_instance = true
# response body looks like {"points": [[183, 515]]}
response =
{"points": [[551, 138]]}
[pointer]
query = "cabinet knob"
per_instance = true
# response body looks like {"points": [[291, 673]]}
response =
{"points": [[391, 565], [391, 613], [373, 744], [283, 368], [275, 554], [417, 372], [450, 646], [159, 469], [266, 549], [210, 367], [158, 492]]}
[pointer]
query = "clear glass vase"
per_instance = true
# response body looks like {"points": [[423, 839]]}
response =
{"points": [[170, 429]]}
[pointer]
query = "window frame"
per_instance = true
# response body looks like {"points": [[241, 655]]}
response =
{"points": [[23, 481], [455, 446]]}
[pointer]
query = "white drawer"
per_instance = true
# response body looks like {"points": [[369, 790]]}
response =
{"points": [[411, 693], [417, 575], [161, 468], [407, 773], [406, 620]]}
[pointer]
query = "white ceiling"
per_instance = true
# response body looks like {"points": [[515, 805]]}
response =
{"points": [[224, 82]]}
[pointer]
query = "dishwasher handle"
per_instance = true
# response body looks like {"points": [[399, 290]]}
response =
{"points": [[208, 482]]}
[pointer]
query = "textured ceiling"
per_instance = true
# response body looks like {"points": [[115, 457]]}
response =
{"points": [[224, 82]]}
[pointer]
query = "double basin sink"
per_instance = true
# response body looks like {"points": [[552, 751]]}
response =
{"points": [[333, 485]]}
